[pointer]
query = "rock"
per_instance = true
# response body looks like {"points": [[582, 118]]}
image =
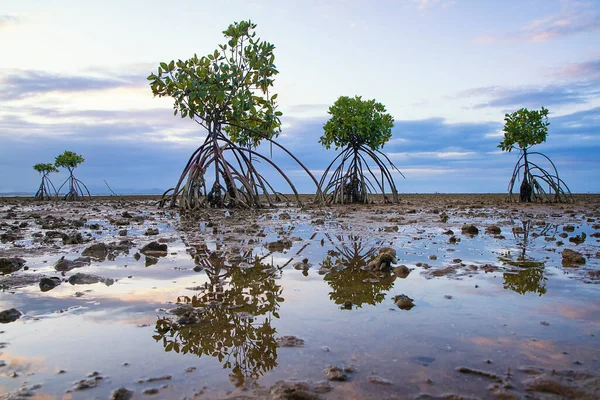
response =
{"points": [[121, 394], [386, 256], [150, 260], [151, 232], [404, 302], [89, 383], [289, 341], [123, 232], [97, 251], [10, 315], [282, 390], [154, 249], [10, 265], [572, 258], [47, 284], [150, 391], [335, 374], [279, 245], [73, 238], [493, 229], [88, 279], [66, 265], [401, 271], [579, 239], [469, 230]]}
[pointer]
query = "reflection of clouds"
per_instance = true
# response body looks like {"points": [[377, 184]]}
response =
{"points": [[582, 311], [538, 351], [23, 365]]}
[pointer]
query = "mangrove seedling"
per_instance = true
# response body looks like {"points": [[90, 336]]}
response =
{"points": [[46, 189], [227, 93], [522, 130], [361, 128], [70, 161]]}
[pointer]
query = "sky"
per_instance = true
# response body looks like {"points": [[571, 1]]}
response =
{"points": [[73, 77]]}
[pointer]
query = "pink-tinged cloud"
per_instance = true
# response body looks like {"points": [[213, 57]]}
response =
{"points": [[587, 71], [566, 23]]}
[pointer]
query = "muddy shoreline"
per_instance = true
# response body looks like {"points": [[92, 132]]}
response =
{"points": [[439, 295]]}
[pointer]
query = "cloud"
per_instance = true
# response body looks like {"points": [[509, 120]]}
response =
{"points": [[6, 20], [136, 150], [424, 4], [577, 18], [21, 84], [533, 96], [587, 71]]}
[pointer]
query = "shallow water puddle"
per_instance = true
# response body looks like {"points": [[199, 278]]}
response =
{"points": [[241, 300]]}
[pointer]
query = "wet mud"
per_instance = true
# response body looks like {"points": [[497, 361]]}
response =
{"points": [[437, 297]]}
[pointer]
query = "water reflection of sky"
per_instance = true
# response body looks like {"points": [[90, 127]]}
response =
{"points": [[466, 318]]}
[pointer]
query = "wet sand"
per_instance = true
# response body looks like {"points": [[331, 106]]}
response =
{"points": [[474, 297]]}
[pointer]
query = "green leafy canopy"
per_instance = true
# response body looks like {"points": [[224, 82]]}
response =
{"points": [[45, 168], [524, 128], [68, 160], [356, 122], [227, 88]]}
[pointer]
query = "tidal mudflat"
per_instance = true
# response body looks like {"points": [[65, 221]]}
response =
{"points": [[439, 296]]}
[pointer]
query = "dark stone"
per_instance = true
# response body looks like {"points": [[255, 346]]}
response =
{"points": [[47, 284], [10, 315], [151, 232], [469, 230], [572, 258], [66, 265], [335, 374], [279, 245], [155, 249], [404, 302], [10, 265], [493, 229], [121, 394], [97, 251], [88, 279]]}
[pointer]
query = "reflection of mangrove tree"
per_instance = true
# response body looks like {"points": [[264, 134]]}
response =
{"points": [[528, 280], [230, 319], [351, 282], [526, 274]]}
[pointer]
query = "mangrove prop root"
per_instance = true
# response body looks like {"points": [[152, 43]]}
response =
{"points": [[536, 179], [353, 180], [46, 190], [230, 173], [77, 189]]}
